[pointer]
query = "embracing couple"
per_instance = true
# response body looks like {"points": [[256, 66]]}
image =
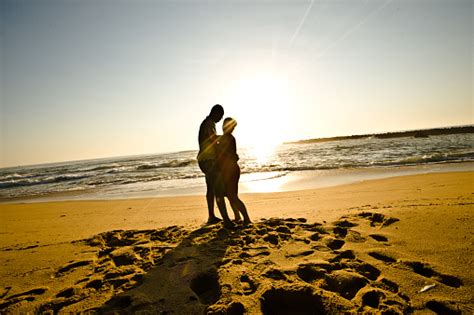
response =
{"points": [[217, 159]]}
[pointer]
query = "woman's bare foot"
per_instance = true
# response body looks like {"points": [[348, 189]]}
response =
{"points": [[229, 225]]}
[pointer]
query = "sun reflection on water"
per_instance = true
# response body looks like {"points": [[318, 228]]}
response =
{"points": [[263, 153], [263, 182]]}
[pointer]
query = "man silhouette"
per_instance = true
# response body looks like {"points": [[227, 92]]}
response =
{"points": [[207, 163]]}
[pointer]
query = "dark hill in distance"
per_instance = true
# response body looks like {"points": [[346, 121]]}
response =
{"points": [[422, 133]]}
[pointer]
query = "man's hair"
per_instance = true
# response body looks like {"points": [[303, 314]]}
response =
{"points": [[217, 110]]}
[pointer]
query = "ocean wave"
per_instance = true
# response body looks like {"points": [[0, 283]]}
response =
{"points": [[11, 176], [101, 168], [40, 181], [181, 166], [18, 176], [171, 164], [255, 177], [428, 159], [309, 168]]}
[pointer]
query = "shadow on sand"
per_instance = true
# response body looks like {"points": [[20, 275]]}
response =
{"points": [[185, 278], [274, 266]]}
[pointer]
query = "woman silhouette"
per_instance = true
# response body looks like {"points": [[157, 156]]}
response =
{"points": [[230, 171]]}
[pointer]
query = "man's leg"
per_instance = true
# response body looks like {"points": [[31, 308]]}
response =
{"points": [[223, 210], [210, 201]]}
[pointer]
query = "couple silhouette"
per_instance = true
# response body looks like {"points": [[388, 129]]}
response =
{"points": [[217, 159]]}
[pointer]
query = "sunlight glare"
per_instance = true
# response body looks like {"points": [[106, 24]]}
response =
{"points": [[263, 153], [263, 182], [262, 102]]}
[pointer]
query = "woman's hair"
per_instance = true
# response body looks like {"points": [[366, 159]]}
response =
{"points": [[229, 124]]}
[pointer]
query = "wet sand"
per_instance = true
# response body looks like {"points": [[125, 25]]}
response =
{"points": [[366, 247]]}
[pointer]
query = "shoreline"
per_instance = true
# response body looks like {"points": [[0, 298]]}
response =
{"points": [[254, 183], [388, 237]]}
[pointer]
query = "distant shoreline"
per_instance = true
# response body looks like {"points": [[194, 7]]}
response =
{"points": [[419, 133]]}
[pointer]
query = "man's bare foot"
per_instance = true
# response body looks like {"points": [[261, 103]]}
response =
{"points": [[213, 220]]}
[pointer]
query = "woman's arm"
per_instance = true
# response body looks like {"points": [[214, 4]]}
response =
{"points": [[234, 149]]}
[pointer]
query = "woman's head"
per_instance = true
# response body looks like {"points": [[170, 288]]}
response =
{"points": [[229, 125]]}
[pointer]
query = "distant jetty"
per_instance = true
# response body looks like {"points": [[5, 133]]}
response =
{"points": [[421, 133]]}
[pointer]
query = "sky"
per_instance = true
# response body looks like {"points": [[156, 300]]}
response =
{"points": [[91, 79]]}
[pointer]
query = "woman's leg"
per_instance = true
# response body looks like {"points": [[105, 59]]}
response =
{"points": [[231, 189], [235, 207], [237, 204], [232, 196], [243, 210]]}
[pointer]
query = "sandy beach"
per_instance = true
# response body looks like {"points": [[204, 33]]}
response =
{"points": [[394, 245]]}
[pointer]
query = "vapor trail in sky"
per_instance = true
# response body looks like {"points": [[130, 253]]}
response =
{"points": [[353, 29], [301, 23]]}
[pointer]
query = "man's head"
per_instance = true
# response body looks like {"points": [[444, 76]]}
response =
{"points": [[217, 112], [229, 125]]}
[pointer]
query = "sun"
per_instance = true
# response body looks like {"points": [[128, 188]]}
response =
{"points": [[262, 108]]}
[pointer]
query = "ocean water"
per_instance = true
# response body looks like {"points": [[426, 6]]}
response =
{"points": [[178, 172]]}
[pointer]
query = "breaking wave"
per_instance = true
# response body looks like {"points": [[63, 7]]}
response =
{"points": [[171, 164], [40, 181]]}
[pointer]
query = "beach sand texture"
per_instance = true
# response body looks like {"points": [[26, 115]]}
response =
{"points": [[369, 247]]}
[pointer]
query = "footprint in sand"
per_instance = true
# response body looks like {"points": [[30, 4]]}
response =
{"points": [[310, 272], [379, 238], [36, 291], [346, 283], [340, 231], [206, 286], [373, 298], [69, 292], [345, 223], [426, 271], [365, 269], [354, 237], [345, 254], [300, 299], [95, 284], [27, 296], [274, 274], [382, 257], [387, 285], [124, 256], [53, 306], [248, 285], [378, 219], [333, 243], [443, 307], [272, 238], [71, 266]]}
